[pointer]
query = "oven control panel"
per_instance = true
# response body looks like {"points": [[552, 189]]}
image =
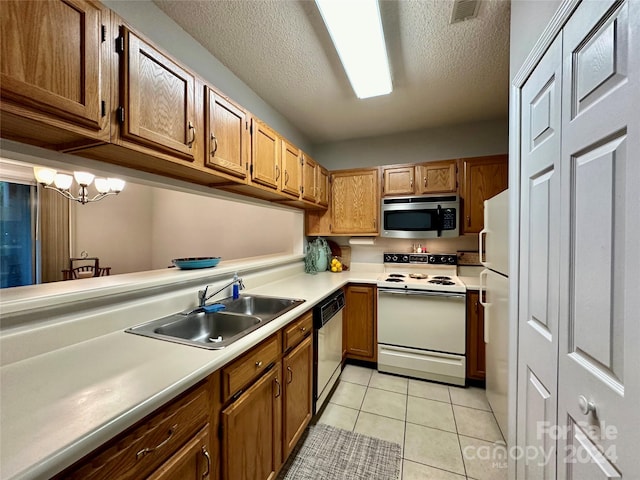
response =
{"points": [[423, 258]]}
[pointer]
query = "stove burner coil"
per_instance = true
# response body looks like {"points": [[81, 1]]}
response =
{"points": [[392, 279], [442, 277], [441, 282], [396, 275]]}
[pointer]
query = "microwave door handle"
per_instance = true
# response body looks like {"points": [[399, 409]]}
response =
{"points": [[439, 220]]}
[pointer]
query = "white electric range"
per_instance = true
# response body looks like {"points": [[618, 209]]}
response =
{"points": [[422, 317]]}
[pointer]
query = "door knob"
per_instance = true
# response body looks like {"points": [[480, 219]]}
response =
{"points": [[586, 406]]}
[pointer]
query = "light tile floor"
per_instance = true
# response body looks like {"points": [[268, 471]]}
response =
{"points": [[446, 432]]}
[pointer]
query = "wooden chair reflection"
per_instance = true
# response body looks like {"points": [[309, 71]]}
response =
{"points": [[92, 269]]}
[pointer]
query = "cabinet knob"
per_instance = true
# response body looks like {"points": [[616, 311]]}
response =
{"points": [[586, 407], [258, 364], [303, 329]]}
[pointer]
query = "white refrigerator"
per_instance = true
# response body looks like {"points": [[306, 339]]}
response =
{"points": [[494, 296]]}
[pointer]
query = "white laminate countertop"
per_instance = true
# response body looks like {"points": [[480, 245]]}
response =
{"points": [[59, 406]]}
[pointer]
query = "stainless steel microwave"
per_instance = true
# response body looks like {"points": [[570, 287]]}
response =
{"points": [[434, 216]]}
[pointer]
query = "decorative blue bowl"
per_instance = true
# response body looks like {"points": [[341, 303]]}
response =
{"points": [[195, 262]]}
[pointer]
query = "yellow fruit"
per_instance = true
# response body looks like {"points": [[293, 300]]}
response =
{"points": [[334, 269], [340, 268]]}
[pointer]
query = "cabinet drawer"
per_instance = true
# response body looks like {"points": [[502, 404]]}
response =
{"points": [[294, 333], [147, 445], [248, 367]]}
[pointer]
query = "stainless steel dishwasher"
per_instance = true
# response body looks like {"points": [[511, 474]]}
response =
{"points": [[327, 335]]}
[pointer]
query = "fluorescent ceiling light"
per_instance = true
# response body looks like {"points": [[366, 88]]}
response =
{"points": [[356, 31]]}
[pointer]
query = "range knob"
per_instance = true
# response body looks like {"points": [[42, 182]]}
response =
{"points": [[394, 258], [387, 258], [432, 259], [405, 258], [452, 259], [443, 259]]}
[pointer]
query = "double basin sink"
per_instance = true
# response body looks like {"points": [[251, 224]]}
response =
{"points": [[219, 329]]}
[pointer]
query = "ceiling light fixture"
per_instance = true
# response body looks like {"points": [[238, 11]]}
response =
{"points": [[356, 30], [62, 183]]}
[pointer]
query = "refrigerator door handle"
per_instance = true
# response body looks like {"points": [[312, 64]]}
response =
{"points": [[483, 276], [481, 237]]}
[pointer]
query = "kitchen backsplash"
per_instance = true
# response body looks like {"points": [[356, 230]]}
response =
{"points": [[373, 253]]}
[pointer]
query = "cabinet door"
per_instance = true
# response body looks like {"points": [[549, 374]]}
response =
{"points": [[355, 202], [298, 393], [265, 155], [360, 322], [437, 177], [290, 181], [53, 61], [475, 337], [227, 136], [398, 181], [322, 180], [191, 462], [158, 97], [309, 179], [252, 431], [484, 177]]}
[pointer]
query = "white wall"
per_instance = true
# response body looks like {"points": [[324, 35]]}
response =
{"points": [[116, 229], [144, 228], [373, 253], [187, 225], [469, 140], [528, 19]]}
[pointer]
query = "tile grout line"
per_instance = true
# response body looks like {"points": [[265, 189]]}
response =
{"points": [[455, 421]]}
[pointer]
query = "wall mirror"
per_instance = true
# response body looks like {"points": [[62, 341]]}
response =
{"points": [[142, 228]]}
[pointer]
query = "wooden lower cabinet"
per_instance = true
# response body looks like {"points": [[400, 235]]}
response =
{"points": [[298, 394], [359, 323], [191, 462], [252, 431], [475, 337]]}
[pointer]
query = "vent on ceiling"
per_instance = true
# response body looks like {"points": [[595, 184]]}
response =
{"points": [[464, 10]]}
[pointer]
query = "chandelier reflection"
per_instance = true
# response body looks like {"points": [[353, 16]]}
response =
{"points": [[62, 182]]}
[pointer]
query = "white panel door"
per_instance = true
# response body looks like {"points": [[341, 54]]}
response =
{"points": [[539, 265], [599, 383]]}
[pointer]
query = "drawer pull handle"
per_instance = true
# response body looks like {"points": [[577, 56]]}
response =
{"points": [[144, 451], [290, 374], [208, 457], [258, 364], [215, 144]]}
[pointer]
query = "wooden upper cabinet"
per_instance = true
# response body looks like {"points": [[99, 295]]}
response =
{"points": [[483, 177], [355, 201], [290, 179], [54, 67], [265, 155], [436, 177], [398, 181], [309, 167], [157, 107], [227, 136], [322, 182]]}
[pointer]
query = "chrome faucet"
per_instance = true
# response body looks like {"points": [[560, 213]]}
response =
{"points": [[202, 294]]}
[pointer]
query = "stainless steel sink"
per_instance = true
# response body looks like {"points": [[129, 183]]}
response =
{"points": [[218, 329], [264, 307]]}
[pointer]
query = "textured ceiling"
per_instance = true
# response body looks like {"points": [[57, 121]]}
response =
{"points": [[442, 74]]}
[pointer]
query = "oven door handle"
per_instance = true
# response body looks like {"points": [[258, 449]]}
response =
{"points": [[421, 293]]}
